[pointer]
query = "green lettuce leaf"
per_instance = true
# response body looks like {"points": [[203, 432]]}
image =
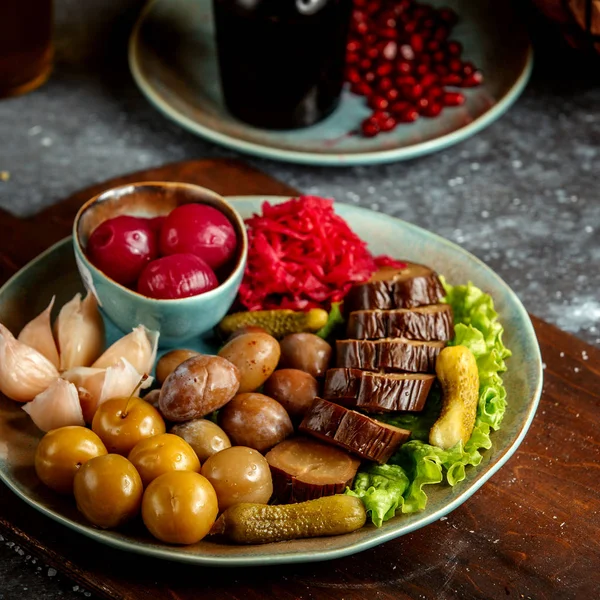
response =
{"points": [[334, 321], [398, 486]]}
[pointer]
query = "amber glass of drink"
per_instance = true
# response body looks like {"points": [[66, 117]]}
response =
{"points": [[25, 45]]}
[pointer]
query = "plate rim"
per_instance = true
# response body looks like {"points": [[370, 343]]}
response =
{"points": [[172, 553], [313, 158]]}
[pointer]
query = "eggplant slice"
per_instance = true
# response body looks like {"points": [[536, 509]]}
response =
{"points": [[393, 355], [304, 469], [425, 323], [389, 288], [377, 392], [353, 431]]}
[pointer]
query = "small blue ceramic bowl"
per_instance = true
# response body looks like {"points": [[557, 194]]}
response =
{"points": [[176, 320]]}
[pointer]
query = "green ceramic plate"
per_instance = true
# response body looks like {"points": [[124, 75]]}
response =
{"points": [[173, 61], [54, 272]]}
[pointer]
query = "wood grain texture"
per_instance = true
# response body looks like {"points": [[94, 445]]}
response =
{"points": [[532, 531]]}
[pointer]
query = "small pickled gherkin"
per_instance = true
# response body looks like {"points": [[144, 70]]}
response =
{"points": [[277, 323], [261, 523]]}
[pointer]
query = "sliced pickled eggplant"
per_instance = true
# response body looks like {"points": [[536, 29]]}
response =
{"points": [[377, 392], [353, 431], [394, 354], [425, 323], [388, 288], [304, 469]]}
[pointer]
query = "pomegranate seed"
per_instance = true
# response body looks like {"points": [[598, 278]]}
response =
{"points": [[447, 15], [359, 16], [428, 80], [453, 99], [422, 104], [428, 24], [388, 124], [360, 3], [406, 52], [361, 28], [399, 107], [365, 64], [378, 103], [467, 68], [408, 116], [473, 80], [454, 48], [405, 80], [438, 57], [370, 127], [392, 94], [380, 115], [362, 89], [384, 69], [389, 50], [386, 84], [410, 27], [422, 69], [441, 70], [420, 12], [390, 22], [452, 80], [371, 39], [353, 46], [373, 7], [416, 41], [369, 77], [441, 34], [433, 45], [352, 58], [433, 110], [389, 33], [353, 76], [412, 92], [403, 67], [456, 66], [434, 93], [373, 53]]}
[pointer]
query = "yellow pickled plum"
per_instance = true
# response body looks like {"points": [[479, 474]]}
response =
{"points": [[108, 490], [163, 453], [62, 452], [179, 507], [122, 422]]}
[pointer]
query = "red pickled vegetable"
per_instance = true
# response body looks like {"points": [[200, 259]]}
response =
{"points": [[122, 246], [302, 255], [176, 276], [201, 230], [157, 222]]}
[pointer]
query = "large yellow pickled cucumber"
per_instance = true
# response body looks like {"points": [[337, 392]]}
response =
{"points": [[456, 369], [277, 323], [262, 523]]}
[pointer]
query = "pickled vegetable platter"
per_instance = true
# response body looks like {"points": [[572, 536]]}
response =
{"points": [[384, 236]]}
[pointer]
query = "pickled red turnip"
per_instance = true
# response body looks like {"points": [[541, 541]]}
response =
{"points": [[121, 247], [200, 230], [176, 276]]}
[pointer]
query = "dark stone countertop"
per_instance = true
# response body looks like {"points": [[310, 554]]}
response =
{"points": [[520, 195]]}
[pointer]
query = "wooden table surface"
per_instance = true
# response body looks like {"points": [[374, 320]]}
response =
{"points": [[532, 531]]}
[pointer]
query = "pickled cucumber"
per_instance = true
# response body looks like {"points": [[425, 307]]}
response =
{"points": [[261, 523], [278, 323], [458, 375]]}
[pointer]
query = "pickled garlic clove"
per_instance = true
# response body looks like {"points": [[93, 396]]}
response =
{"points": [[79, 332], [37, 334], [95, 386], [57, 406], [138, 347], [24, 372], [89, 383]]}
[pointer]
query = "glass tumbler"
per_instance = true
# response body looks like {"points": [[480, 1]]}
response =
{"points": [[281, 61], [26, 48]]}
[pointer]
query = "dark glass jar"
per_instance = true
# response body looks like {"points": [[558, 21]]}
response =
{"points": [[281, 61]]}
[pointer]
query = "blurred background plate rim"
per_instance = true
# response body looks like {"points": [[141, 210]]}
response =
{"points": [[396, 528], [314, 158]]}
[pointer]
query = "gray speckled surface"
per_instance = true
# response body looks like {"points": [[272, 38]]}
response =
{"points": [[521, 195]]}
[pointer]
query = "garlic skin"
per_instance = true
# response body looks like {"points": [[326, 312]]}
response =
{"points": [[139, 348], [57, 406], [95, 386], [37, 334], [24, 372], [79, 331]]}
